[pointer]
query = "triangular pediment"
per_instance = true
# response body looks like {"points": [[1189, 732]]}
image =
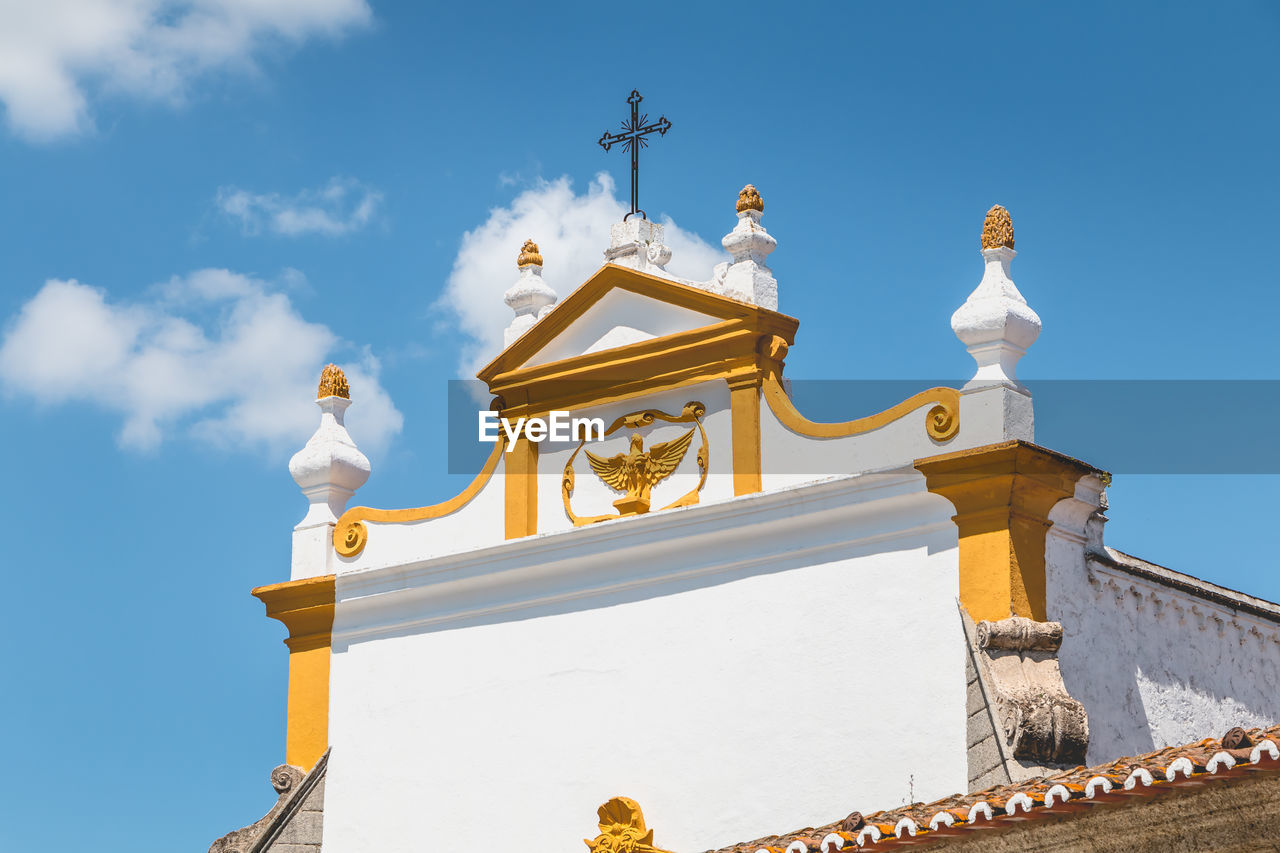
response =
{"points": [[616, 308]]}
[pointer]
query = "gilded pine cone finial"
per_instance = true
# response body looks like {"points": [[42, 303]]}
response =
{"points": [[529, 255], [997, 229], [333, 383], [749, 199]]}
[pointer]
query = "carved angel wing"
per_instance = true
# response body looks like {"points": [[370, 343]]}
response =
{"points": [[666, 456], [612, 470]]}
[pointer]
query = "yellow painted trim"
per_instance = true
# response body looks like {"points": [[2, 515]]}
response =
{"points": [[307, 726], [744, 412], [350, 535], [305, 607], [942, 425], [660, 364], [521, 484], [1003, 494], [726, 346], [691, 412], [611, 277]]}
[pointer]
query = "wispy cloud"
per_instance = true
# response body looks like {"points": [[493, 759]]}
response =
{"points": [[340, 207], [55, 54], [220, 356], [572, 232]]}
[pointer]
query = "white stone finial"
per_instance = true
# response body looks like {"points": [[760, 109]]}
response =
{"points": [[747, 278], [637, 243], [530, 297], [995, 323], [328, 469]]}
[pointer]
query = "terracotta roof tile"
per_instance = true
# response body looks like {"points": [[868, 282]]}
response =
{"points": [[1203, 762]]}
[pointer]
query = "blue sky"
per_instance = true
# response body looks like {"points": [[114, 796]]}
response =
{"points": [[201, 203]]}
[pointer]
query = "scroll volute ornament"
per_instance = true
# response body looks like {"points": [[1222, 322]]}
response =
{"points": [[997, 229], [622, 829], [333, 383]]}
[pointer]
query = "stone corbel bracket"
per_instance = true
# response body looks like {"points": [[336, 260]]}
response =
{"points": [[1039, 721]]}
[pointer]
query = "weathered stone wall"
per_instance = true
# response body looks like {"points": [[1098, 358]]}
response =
{"points": [[986, 763], [1156, 665]]}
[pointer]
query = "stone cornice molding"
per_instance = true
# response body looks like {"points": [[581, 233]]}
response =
{"points": [[767, 531], [1156, 578], [1156, 599]]}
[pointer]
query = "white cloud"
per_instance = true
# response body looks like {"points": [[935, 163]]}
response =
{"points": [[572, 232], [340, 207], [54, 52], [217, 354]]}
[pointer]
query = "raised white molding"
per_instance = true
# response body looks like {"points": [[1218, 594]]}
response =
{"points": [[765, 531]]}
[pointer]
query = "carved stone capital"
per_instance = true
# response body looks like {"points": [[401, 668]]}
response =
{"points": [[1039, 721], [1018, 634]]}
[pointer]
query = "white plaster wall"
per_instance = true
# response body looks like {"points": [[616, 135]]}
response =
{"points": [[648, 317], [1153, 665], [592, 497], [739, 669]]}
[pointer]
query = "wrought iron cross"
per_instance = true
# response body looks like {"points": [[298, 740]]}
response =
{"points": [[633, 139]]}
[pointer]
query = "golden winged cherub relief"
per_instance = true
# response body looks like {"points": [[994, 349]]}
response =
{"points": [[622, 829], [637, 471]]}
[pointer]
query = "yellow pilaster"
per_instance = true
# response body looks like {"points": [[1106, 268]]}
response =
{"points": [[744, 409], [306, 609], [521, 485], [1002, 494]]}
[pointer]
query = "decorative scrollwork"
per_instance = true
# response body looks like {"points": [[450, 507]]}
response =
{"points": [[942, 423], [350, 534], [285, 777], [645, 468], [772, 347], [350, 537]]}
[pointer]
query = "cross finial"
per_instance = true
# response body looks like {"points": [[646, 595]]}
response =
{"points": [[633, 139]]}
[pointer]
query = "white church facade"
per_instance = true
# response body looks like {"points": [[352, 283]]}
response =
{"points": [[741, 618]]}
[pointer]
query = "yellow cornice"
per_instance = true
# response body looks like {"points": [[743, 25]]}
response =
{"points": [[614, 277], [1016, 473], [304, 606], [1003, 494], [724, 350]]}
